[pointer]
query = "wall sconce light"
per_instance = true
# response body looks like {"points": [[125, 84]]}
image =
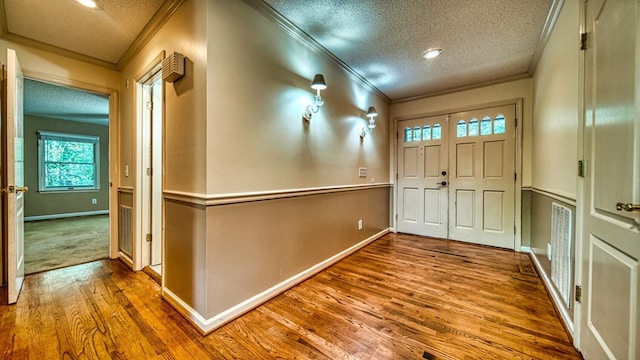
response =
{"points": [[371, 114], [317, 84]]}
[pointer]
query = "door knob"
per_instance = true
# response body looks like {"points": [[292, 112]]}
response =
{"points": [[442, 183], [627, 207], [22, 189]]}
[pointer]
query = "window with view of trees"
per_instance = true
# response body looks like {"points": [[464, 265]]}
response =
{"points": [[68, 161]]}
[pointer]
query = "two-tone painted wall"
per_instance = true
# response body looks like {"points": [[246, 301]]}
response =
{"points": [[556, 140], [255, 198]]}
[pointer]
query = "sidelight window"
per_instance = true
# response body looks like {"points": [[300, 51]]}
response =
{"points": [[437, 132], [499, 125], [485, 126], [461, 129], [426, 132], [408, 134], [417, 133], [473, 127]]}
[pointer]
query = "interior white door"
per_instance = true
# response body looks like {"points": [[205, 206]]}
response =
{"points": [[14, 174], [422, 176], [156, 173], [482, 176], [611, 238]]}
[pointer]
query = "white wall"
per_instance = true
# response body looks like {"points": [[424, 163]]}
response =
{"points": [[258, 85], [555, 109]]}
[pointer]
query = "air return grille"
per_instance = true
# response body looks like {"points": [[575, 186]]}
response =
{"points": [[125, 232], [561, 250]]}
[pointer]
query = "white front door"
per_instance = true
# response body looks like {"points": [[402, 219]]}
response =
{"points": [[14, 175], [423, 158], [482, 179], [611, 238], [456, 176]]}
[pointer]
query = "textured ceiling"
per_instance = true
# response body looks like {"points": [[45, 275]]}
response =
{"points": [[383, 40], [58, 102], [104, 34]]}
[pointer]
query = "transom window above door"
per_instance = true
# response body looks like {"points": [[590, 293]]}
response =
{"points": [[423, 133], [486, 126]]}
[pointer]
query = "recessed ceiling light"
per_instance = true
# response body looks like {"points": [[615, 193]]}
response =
{"points": [[432, 53], [92, 4]]}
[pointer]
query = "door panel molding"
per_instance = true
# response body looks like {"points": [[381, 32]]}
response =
{"points": [[398, 138]]}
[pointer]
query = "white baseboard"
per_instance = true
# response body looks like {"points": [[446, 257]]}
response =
{"points": [[65, 215], [555, 296], [206, 326], [525, 249]]}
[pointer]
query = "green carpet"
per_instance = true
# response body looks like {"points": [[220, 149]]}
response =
{"points": [[52, 244]]}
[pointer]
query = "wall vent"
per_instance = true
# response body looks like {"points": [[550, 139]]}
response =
{"points": [[561, 245], [173, 67], [125, 231]]}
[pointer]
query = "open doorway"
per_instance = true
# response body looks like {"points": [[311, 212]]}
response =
{"points": [[149, 170], [66, 149]]}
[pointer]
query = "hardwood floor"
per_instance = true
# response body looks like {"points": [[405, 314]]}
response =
{"points": [[395, 299]]}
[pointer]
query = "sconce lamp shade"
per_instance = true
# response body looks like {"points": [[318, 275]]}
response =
{"points": [[372, 111], [318, 82]]}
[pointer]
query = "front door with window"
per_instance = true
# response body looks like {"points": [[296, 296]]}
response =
{"points": [[423, 159], [456, 176], [482, 181]]}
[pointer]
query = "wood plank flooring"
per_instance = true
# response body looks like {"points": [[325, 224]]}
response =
{"points": [[397, 298]]}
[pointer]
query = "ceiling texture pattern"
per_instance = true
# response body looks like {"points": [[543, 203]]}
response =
{"points": [[379, 41], [383, 40], [59, 102]]}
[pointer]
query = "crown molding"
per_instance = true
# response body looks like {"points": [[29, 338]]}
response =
{"points": [[3, 20], [545, 34], [463, 88], [5, 34], [56, 50], [154, 25], [310, 43]]}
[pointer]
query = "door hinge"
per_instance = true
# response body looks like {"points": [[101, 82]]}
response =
{"points": [[148, 237], [149, 105], [516, 122], [396, 176], [584, 37], [581, 168], [578, 293], [396, 217], [515, 176]]}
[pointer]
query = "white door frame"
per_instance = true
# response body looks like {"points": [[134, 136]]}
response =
{"points": [[114, 111], [114, 143], [142, 196], [518, 102]]}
